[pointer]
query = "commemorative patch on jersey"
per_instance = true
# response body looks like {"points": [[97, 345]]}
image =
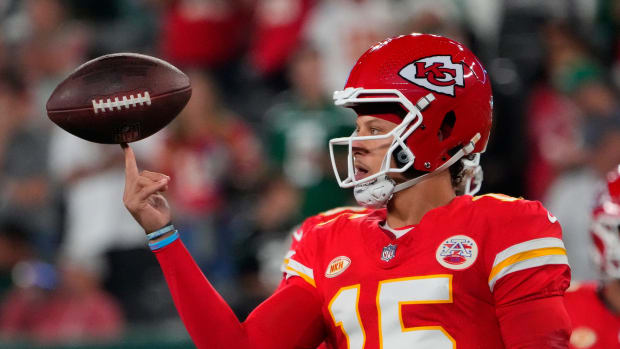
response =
{"points": [[457, 252], [337, 266]]}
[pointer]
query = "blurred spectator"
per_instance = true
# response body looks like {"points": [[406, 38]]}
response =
{"points": [[117, 25], [253, 50], [555, 143], [443, 17], [204, 33], [298, 130], [36, 29], [92, 176], [96, 223], [341, 30], [279, 26], [258, 255], [554, 120], [25, 191], [210, 154], [570, 197], [75, 310], [15, 247]]}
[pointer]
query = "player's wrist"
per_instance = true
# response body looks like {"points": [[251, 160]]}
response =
{"points": [[156, 233], [162, 237], [164, 240], [161, 234]]}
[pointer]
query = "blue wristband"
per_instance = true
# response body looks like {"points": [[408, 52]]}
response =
{"points": [[160, 232], [165, 242]]}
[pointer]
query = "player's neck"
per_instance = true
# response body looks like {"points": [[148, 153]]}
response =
{"points": [[407, 207], [611, 292]]}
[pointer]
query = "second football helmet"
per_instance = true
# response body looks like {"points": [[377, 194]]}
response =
{"points": [[605, 228], [445, 94]]}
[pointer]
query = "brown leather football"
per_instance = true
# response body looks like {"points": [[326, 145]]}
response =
{"points": [[119, 98]]}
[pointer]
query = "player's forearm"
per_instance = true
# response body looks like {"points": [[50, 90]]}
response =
{"points": [[290, 318], [208, 319]]}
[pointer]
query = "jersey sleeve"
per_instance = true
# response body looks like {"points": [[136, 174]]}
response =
{"points": [[526, 258], [297, 260], [290, 318]]}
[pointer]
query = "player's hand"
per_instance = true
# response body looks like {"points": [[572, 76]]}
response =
{"points": [[142, 195]]}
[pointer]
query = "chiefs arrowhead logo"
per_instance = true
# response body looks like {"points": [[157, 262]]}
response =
{"points": [[436, 73]]}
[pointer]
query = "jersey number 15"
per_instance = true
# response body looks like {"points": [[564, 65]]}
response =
{"points": [[392, 294]]}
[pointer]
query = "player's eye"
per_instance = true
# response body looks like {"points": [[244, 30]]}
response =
{"points": [[374, 131]]}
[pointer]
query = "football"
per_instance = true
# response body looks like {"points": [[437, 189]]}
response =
{"points": [[119, 98]]}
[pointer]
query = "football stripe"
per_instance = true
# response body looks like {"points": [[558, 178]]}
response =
{"points": [[526, 260], [291, 271], [295, 268], [288, 255], [527, 246]]}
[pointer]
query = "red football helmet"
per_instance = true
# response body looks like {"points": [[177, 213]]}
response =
{"points": [[446, 96], [605, 228]]}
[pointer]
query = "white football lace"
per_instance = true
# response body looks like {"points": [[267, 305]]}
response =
{"points": [[125, 101]]}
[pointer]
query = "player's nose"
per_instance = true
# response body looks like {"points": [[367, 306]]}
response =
{"points": [[358, 147]]}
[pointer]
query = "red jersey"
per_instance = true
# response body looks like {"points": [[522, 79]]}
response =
{"points": [[594, 325], [438, 286], [311, 222]]}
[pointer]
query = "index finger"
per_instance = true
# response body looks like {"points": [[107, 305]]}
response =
{"points": [[131, 167]]}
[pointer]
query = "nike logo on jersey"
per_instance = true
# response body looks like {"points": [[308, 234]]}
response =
{"points": [[551, 218]]}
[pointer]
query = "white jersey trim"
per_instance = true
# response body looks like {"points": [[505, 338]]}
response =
{"points": [[295, 268], [527, 246], [287, 256], [529, 263], [525, 255]]}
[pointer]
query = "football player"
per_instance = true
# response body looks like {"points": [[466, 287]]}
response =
{"points": [[594, 307], [421, 267], [468, 182]]}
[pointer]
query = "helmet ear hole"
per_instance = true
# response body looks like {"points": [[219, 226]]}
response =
{"points": [[447, 125]]}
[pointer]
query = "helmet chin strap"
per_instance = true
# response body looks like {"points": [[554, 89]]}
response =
{"points": [[376, 193]]}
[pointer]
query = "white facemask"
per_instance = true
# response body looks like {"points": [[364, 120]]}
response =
{"points": [[377, 189]]}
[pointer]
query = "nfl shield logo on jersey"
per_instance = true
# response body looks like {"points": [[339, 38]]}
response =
{"points": [[388, 253], [457, 252]]}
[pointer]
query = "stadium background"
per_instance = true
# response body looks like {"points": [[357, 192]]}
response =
{"points": [[248, 156]]}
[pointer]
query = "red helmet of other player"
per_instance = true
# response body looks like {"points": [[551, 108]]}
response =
{"points": [[445, 95], [605, 228]]}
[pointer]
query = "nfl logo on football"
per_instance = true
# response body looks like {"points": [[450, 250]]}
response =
{"points": [[457, 252], [388, 253]]}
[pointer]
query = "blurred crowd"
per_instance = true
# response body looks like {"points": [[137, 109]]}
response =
{"points": [[248, 155]]}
